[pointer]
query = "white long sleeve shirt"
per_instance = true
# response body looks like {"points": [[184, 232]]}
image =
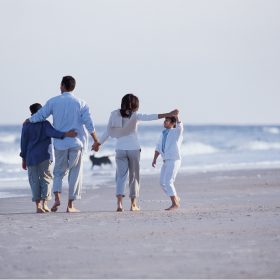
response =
{"points": [[129, 142], [173, 143], [69, 112]]}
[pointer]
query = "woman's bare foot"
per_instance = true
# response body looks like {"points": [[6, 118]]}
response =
{"points": [[120, 209], [72, 210], [55, 206], [134, 208], [70, 207]]}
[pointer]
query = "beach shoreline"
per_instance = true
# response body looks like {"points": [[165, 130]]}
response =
{"points": [[227, 227]]}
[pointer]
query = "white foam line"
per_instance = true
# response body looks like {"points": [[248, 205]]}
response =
{"points": [[13, 179]]}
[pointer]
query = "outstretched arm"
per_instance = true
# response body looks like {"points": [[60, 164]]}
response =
{"points": [[70, 133], [41, 115], [179, 126], [155, 158], [177, 118], [52, 132]]}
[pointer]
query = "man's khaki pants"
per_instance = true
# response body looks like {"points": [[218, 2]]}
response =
{"points": [[69, 160], [40, 180]]}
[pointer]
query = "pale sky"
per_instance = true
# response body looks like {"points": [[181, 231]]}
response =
{"points": [[216, 61]]}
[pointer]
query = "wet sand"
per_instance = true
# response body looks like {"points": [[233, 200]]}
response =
{"points": [[228, 226]]}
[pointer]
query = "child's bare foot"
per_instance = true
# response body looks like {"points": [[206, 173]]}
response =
{"points": [[175, 203], [55, 206], [120, 209], [72, 210], [173, 207], [134, 208], [40, 210]]}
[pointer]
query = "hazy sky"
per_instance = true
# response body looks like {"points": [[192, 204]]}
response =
{"points": [[216, 61]]}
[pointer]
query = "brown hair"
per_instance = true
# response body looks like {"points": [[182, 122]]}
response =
{"points": [[130, 103], [172, 119], [34, 108], [69, 83]]}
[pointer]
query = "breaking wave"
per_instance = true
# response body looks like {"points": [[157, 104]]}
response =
{"points": [[8, 139], [273, 130], [260, 145]]}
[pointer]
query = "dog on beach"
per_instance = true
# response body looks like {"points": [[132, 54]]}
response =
{"points": [[100, 160]]}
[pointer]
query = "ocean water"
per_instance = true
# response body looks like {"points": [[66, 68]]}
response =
{"points": [[205, 148]]}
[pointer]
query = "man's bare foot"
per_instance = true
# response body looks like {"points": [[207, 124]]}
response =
{"points": [[72, 210], [40, 210], [134, 208], [178, 198], [46, 208], [173, 207], [120, 209], [45, 205], [55, 206]]}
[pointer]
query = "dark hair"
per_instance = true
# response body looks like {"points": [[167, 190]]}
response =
{"points": [[35, 107], [69, 83], [130, 103], [172, 119]]}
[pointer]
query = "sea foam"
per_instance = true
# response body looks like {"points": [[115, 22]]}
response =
{"points": [[8, 139], [273, 130], [261, 145]]}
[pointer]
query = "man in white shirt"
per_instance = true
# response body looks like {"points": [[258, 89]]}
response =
{"points": [[168, 147], [68, 111]]}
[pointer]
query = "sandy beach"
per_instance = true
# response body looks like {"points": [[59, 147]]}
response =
{"points": [[228, 226]]}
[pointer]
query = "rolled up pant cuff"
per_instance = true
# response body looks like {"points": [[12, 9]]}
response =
{"points": [[36, 198], [120, 194], [47, 198], [74, 197]]}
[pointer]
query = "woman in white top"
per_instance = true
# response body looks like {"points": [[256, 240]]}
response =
{"points": [[123, 126]]}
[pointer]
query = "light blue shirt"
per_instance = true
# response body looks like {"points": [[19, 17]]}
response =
{"points": [[164, 137], [69, 112]]}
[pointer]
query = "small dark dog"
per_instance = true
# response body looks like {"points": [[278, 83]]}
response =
{"points": [[99, 161]]}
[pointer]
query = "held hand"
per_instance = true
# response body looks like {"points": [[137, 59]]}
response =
{"points": [[154, 163], [174, 112], [26, 121], [95, 147]]}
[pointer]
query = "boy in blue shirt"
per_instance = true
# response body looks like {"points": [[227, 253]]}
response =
{"points": [[36, 153]]}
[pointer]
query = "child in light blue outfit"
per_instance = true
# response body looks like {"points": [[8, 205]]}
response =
{"points": [[168, 147]]}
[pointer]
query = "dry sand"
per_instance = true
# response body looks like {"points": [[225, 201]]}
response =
{"points": [[227, 227]]}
